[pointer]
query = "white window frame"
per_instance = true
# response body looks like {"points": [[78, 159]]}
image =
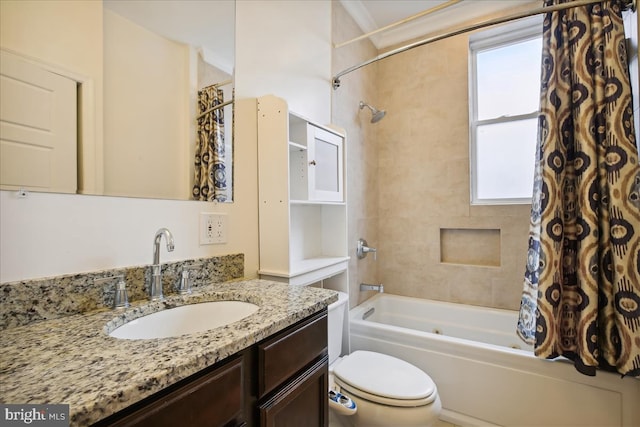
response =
{"points": [[495, 37]]}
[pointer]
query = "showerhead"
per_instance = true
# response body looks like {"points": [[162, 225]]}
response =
{"points": [[376, 115]]}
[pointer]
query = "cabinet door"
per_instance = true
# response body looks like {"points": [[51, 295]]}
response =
{"points": [[304, 402], [215, 399], [326, 173]]}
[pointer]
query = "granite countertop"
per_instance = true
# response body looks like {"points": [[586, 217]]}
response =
{"points": [[73, 360]]}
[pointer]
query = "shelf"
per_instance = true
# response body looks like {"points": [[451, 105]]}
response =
{"points": [[311, 264], [296, 146], [315, 202], [307, 271]]}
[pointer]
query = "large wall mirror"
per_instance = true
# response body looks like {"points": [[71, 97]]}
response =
{"points": [[153, 84]]}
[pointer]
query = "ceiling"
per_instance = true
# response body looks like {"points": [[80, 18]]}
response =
{"points": [[373, 14]]}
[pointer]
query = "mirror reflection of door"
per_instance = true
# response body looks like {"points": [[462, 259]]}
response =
{"points": [[38, 128]]}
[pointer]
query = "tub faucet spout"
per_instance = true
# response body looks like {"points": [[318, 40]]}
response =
{"points": [[368, 287], [155, 288]]}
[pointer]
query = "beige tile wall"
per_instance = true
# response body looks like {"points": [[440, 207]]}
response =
{"points": [[424, 186], [408, 175]]}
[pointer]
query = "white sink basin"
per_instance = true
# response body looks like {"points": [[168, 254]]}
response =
{"points": [[186, 319]]}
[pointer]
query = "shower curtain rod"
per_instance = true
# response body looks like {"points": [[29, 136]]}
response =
{"points": [[223, 83], [472, 27], [224, 104], [219, 84], [402, 21]]}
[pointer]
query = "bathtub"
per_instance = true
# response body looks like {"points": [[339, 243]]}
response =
{"points": [[485, 374]]}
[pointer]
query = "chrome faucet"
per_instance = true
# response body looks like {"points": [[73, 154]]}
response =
{"points": [[185, 283], [120, 298], [155, 290], [367, 287]]}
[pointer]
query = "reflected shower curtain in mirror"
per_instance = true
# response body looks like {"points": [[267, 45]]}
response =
{"points": [[581, 296], [210, 182]]}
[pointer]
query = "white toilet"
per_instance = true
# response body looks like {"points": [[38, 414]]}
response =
{"points": [[387, 391]]}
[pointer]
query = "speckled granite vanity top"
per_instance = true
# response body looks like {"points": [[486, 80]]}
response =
{"points": [[73, 360]]}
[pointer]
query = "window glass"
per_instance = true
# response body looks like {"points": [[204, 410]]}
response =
{"points": [[508, 79], [506, 159]]}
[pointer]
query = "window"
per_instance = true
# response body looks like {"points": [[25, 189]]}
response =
{"points": [[504, 102]]}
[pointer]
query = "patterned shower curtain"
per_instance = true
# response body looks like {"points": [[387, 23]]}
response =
{"points": [[210, 182], [581, 296]]}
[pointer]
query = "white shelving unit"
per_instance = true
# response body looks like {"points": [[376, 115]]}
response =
{"points": [[303, 209]]}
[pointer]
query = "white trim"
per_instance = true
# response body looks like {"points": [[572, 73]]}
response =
{"points": [[508, 33], [459, 419]]}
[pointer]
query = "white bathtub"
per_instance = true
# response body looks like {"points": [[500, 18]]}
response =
{"points": [[482, 379]]}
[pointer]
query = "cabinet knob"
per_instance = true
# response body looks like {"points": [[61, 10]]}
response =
{"points": [[312, 162]]}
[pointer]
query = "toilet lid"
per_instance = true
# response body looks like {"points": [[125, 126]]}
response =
{"points": [[385, 376]]}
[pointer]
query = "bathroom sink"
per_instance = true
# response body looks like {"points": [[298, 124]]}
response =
{"points": [[185, 319]]}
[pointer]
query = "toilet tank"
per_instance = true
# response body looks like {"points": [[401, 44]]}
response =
{"points": [[336, 317]]}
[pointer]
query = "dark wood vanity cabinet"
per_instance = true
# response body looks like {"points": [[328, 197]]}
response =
{"points": [[280, 382]]}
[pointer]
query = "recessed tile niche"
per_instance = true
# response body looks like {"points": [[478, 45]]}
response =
{"points": [[470, 246]]}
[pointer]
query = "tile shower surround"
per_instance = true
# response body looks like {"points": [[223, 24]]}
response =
{"points": [[24, 302]]}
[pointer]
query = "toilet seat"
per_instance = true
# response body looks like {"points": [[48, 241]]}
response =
{"points": [[385, 379]]}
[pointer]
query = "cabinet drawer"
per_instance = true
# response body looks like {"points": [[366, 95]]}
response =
{"points": [[215, 399], [291, 351]]}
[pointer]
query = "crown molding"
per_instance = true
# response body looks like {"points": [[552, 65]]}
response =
{"points": [[362, 17], [456, 15]]}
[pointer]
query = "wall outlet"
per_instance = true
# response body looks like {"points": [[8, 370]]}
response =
{"points": [[213, 228]]}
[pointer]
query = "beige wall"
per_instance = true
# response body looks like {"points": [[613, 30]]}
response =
{"points": [[51, 234], [146, 144], [283, 48], [362, 146]]}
